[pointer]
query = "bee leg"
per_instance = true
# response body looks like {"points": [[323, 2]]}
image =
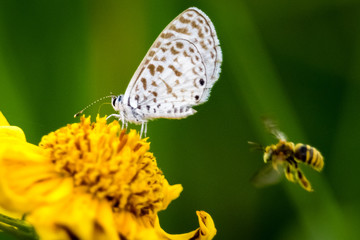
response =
{"points": [[289, 173], [275, 165], [298, 176], [304, 183], [290, 169]]}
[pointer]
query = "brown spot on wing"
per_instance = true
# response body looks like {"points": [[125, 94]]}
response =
{"points": [[160, 69], [168, 88], [167, 35], [184, 20], [154, 84], [177, 73], [200, 33], [158, 44], [203, 45], [151, 53], [194, 25], [143, 80], [151, 67], [179, 45], [173, 51], [180, 30]]}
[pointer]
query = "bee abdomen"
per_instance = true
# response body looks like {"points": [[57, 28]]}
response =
{"points": [[309, 155]]}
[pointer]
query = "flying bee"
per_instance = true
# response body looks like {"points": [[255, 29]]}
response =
{"points": [[287, 156]]}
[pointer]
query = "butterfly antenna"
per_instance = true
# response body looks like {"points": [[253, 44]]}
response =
{"points": [[100, 99]]}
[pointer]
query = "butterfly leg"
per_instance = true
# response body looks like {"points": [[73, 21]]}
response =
{"points": [[120, 117], [145, 128], [124, 123], [142, 129], [114, 115]]}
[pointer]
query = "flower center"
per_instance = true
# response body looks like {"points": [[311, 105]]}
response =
{"points": [[109, 164]]}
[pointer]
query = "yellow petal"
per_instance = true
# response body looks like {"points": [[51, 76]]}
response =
{"points": [[3, 121], [105, 225], [206, 231], [134, 227], [172, 192], [8, 132], [79, 217], [27, 177]]}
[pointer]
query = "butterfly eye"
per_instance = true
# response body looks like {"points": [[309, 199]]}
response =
{"points": [[113, 101]]}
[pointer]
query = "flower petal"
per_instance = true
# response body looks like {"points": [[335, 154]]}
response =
{"points": [[3, 121], [27, 177], [7, 131], [171, 192], [12, 132], [80, 217], [134, 227], [206, 231]]}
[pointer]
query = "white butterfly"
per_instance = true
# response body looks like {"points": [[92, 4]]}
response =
{"points": [[176, 74]]}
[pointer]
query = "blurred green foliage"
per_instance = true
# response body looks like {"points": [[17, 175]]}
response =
{"points": [[294, 61]]}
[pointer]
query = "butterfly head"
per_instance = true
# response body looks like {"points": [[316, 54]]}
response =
{"points": [[116, 102]]}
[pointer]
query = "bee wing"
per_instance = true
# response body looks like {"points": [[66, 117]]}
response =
{"points": [[256, 146], [272, 128], [267, 176]]}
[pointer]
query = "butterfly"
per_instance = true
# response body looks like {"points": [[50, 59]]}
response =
{"points": [[176, 74]]}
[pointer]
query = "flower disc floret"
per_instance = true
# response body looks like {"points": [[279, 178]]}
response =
{"points": [[108, 163]]}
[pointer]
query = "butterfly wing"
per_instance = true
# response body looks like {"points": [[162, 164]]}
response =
{"points": [[179, 69]]}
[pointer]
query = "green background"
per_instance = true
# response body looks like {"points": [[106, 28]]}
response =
{"points": [[297, 62]]}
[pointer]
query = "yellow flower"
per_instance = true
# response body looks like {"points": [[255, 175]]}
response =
{"points": [[88, 181]]}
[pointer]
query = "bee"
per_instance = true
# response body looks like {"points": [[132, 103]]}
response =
{"points": [[287, 156]]}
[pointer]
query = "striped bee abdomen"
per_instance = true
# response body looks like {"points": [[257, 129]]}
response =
{"points": [[309, 155]]}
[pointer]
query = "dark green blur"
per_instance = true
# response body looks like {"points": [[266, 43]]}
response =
{"points": [[297, 62]]}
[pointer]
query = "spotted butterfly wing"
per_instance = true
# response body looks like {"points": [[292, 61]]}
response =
{"points": [[179, 69]]}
